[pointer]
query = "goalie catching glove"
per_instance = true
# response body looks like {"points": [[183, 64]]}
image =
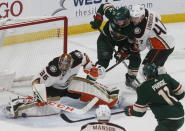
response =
{"points": [[95, 72]]}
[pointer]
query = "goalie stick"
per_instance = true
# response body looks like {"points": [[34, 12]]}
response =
{"points": [[73, 109], [65, 118]]}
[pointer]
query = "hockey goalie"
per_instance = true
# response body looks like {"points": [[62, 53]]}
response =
{"points": [[57, 80]]}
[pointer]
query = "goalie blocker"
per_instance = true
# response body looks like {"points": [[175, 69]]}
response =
{"points": [[91, 92]]}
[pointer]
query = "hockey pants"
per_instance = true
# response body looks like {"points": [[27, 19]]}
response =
{"points": [[105, 53], [169, 125], [158, 57]]}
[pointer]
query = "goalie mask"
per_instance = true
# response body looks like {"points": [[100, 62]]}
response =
{"points": [[137, 14], [64, 63], [103, 112]]}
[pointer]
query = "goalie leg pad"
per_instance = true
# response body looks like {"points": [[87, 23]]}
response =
{"points": [[37, 111], [13, 106], [111, 104], [27, 107], [89, 90], [88, 97]]}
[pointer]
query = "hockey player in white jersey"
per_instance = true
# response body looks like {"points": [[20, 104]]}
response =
{"points": [[57, 74], [58, 79], [103, 115], [150, 32]]}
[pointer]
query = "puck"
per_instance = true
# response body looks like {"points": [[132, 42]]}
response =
{"points": [[24, 115]]}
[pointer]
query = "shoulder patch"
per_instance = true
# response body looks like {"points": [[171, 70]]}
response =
{"points": [[137, 30], [77, 57], [53, 68], [78, 54]]}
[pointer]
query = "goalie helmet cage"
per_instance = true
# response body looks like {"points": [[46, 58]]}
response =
{"points": [[28, 44]]}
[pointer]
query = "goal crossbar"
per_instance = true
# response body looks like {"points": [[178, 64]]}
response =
{"points": [[43, 20]]}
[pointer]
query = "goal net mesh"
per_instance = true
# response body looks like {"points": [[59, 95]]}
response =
{"points": [[28, 44]]}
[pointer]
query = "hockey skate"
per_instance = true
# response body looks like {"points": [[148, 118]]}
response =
{"points": [[12, 108], [131, 82]]}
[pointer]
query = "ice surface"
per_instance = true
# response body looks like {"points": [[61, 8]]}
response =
{"points": [[175, 66]]}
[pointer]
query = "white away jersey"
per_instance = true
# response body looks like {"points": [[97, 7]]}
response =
{"points": [[151, 33], [95, 126], [51, 75]]}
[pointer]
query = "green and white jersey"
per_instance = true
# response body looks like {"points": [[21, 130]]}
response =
{"points": [[162, 95], [111, 29]]}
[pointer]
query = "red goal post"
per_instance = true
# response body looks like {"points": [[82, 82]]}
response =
{"points": [[44, 20], [20, 38]]}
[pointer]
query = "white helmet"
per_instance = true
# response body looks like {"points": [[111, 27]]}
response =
{"points": [[137, 11], [103, 112]]}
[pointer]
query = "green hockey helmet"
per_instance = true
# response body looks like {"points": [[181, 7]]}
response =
{"points": [[150, 70], [121, 15]]}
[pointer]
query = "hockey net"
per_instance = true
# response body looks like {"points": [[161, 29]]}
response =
{"points": [[28, 44]]}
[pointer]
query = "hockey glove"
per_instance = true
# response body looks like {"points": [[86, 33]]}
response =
{"points": [[134, 48], [119, 56], [128, 110], [96, 71], [97, 21]]}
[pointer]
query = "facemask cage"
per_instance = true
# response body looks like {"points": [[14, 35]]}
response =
{"points": [[64, 62]]}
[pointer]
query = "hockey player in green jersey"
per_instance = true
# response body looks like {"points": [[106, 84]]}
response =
{"points": [[118, 31], [161, 93]]}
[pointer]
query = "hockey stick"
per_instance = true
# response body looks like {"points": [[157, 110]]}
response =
{"points": [[113, 66], [73, 109], [109, 42], [65, 118], [61, 106]]}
